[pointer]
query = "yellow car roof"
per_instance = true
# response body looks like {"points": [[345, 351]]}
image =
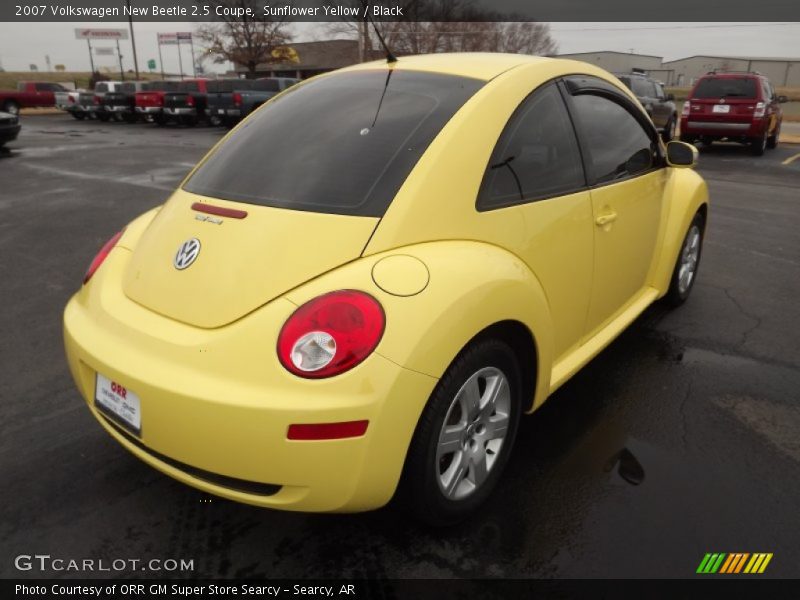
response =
{"points": [[478, 65]]}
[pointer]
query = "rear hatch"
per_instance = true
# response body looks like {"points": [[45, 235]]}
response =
{"points": [[220, 93], [243, 263], [87, 99], [314, 171], [153, 92], [118, 99], [724, 99]]}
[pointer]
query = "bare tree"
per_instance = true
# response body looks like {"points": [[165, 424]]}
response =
{"points": [[431, 26], [248, 41]]}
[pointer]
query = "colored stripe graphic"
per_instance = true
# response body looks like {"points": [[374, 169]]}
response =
{"points": [[734, 563]]}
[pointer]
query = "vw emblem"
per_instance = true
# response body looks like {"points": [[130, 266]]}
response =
{"points": [[186, 254]]}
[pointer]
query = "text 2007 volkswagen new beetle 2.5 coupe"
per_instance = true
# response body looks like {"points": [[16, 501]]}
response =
{"points": [[361, 288]]}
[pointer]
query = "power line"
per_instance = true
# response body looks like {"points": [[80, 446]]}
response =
{"points": [[671, 27]]}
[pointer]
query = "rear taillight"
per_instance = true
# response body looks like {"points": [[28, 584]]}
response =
{"points": [[761, 108], [70, 100], [101, 256], [96, 99], [331, 334], [189, 101], [686, 107], [237, 99]]}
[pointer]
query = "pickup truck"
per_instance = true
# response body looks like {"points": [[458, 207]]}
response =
{"points": [[231, 100], [186, 105], [120, 104], [150, 100], [29, 94], [91, 103]]}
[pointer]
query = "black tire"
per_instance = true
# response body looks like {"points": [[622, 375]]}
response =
{"points": [[104, 117], [160, 120], [758, 145], [678, 293], [79, 116], [188, 120], [10, 106], [669, 129], [420, 487], [772, 141]]}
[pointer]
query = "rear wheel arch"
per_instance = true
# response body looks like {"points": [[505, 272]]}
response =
{"points": [[520, 338]]}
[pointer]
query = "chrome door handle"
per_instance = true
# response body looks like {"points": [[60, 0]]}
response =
{"points": [[606, 219]]}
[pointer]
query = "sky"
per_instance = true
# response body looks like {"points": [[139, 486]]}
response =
{"points": [[22, 44]]}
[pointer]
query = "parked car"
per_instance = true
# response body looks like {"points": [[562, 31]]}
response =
{"points": [[658, 104], [363, 289], [185, 105], [150, 100], [733, 106], [29, 94], [231, 100], [89, 104], [69, 102], [9, 127], [120, 104]]}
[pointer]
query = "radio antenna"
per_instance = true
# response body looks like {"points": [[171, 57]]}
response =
{"points": [[390, 57]]}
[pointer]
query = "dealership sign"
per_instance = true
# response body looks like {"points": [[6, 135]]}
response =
{"points": [[101, 34], [172, 39]]}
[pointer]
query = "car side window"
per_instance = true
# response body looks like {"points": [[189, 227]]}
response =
{"points": [[660, 91], [536, 156], [618, 145]]}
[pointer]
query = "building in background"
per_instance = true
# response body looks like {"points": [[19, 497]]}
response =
{"points": [[311, 58], [783, 72], [623, 62]]}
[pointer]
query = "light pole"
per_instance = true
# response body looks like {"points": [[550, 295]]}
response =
{"points": [[133, 39]]}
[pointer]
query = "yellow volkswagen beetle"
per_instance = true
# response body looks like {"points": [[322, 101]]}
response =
{"points": [[365, 284]]}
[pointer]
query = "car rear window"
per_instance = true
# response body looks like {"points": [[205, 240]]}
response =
{"points": [[228, 85], [161, 86], [725, 87], [266, 85], [341, 144]]}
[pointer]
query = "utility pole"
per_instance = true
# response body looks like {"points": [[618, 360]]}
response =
{"points": [[91, 59], [121, 70], [133, 39]]}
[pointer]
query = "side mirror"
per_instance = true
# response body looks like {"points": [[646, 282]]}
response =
{"points": [[671, 97], [783, 99], [681, 155]]}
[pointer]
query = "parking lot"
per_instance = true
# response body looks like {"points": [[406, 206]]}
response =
{"points": [[679, 439]]}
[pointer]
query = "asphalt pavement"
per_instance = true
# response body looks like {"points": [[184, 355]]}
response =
{"points": [[678, 440]]}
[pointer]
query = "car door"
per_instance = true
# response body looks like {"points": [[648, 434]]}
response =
{"points": [[662, 112], [625, 171], [536, 174]]}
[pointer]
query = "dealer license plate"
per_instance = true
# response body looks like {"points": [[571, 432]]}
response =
{"points": [[120, 403], [722, 108]]}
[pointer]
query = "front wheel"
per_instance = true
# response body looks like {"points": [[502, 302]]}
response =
{"points": [[685, 271], [759, 145], [464, 437]]}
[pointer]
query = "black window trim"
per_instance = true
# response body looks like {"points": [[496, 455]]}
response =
{"points": [[512, 120], [579, 85]]}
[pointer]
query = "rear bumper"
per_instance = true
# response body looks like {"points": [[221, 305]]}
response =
{"points": [[119, 109], [216, 404], [180, 112], [8, 133], [148, 110], [723, 128]]}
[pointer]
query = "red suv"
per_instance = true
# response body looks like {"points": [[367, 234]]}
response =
{"points": [[733, 106]]}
